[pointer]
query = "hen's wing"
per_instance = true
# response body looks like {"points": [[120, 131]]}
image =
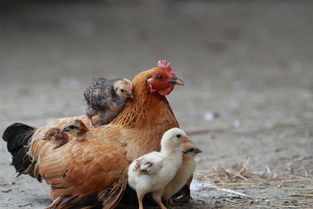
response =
{"points": [[148, 164], [83, 168]]}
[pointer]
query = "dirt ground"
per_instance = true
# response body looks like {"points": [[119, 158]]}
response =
{"points": [[247, 67]]}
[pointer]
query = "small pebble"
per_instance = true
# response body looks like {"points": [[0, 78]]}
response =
{"points": [[211, 116], [237, 124], [294, 201], [265, 184], [6, 191]]}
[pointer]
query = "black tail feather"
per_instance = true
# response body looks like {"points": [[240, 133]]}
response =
{"points": [[17, 137]]}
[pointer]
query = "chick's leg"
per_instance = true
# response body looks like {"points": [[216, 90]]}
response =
{"points": [[171, 201], [90, 121], [140, 198], [157, 199], [103, 118], [168, 203], [183, 193], [90, 112], [140, 204]]}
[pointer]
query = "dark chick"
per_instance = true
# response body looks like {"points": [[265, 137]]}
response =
{"points": [[105, 99], [77, 129], [56, 136]]}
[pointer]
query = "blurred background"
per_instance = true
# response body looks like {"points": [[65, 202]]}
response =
{"points": [[247, 67]]}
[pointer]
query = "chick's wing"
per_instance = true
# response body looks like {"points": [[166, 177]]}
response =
{"points": [[149, 164]]}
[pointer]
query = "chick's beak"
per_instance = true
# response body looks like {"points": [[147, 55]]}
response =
{"points": [[176, 81], [186, 139], [130, 95], [198, 150]]}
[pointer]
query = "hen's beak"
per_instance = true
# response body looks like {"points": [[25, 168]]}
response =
{"points": [[65, 129], [130, 95], [176, 81]]}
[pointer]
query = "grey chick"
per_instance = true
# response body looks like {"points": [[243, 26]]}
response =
{"points": [[105, 99]]}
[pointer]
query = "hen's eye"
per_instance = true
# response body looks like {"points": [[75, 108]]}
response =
{"points": [[159, 77], [178, 135], [122, 90]]}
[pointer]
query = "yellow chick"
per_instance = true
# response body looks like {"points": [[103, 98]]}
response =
{"points": [[153, 171], [184, 172]]}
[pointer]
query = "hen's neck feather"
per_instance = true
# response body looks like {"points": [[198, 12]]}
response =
{"points": [[146, 109]]}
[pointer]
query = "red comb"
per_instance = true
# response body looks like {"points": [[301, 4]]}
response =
{"points": [[167, 66]]}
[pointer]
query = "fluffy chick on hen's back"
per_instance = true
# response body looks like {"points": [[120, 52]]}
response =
{"points": [[153, 171], [104, 99]]}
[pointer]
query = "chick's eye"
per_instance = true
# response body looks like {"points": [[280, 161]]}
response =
{"points": [[159, 77], [122, 90], [178, 135], [191, 150]]}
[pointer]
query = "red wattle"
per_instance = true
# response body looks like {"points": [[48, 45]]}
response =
{"points": [[166, 91]]}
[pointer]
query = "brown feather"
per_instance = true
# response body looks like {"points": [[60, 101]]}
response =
{"points": [[111, 196], [83, 168]]}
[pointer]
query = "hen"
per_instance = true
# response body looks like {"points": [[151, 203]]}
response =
{"points": [[147, 116]]}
